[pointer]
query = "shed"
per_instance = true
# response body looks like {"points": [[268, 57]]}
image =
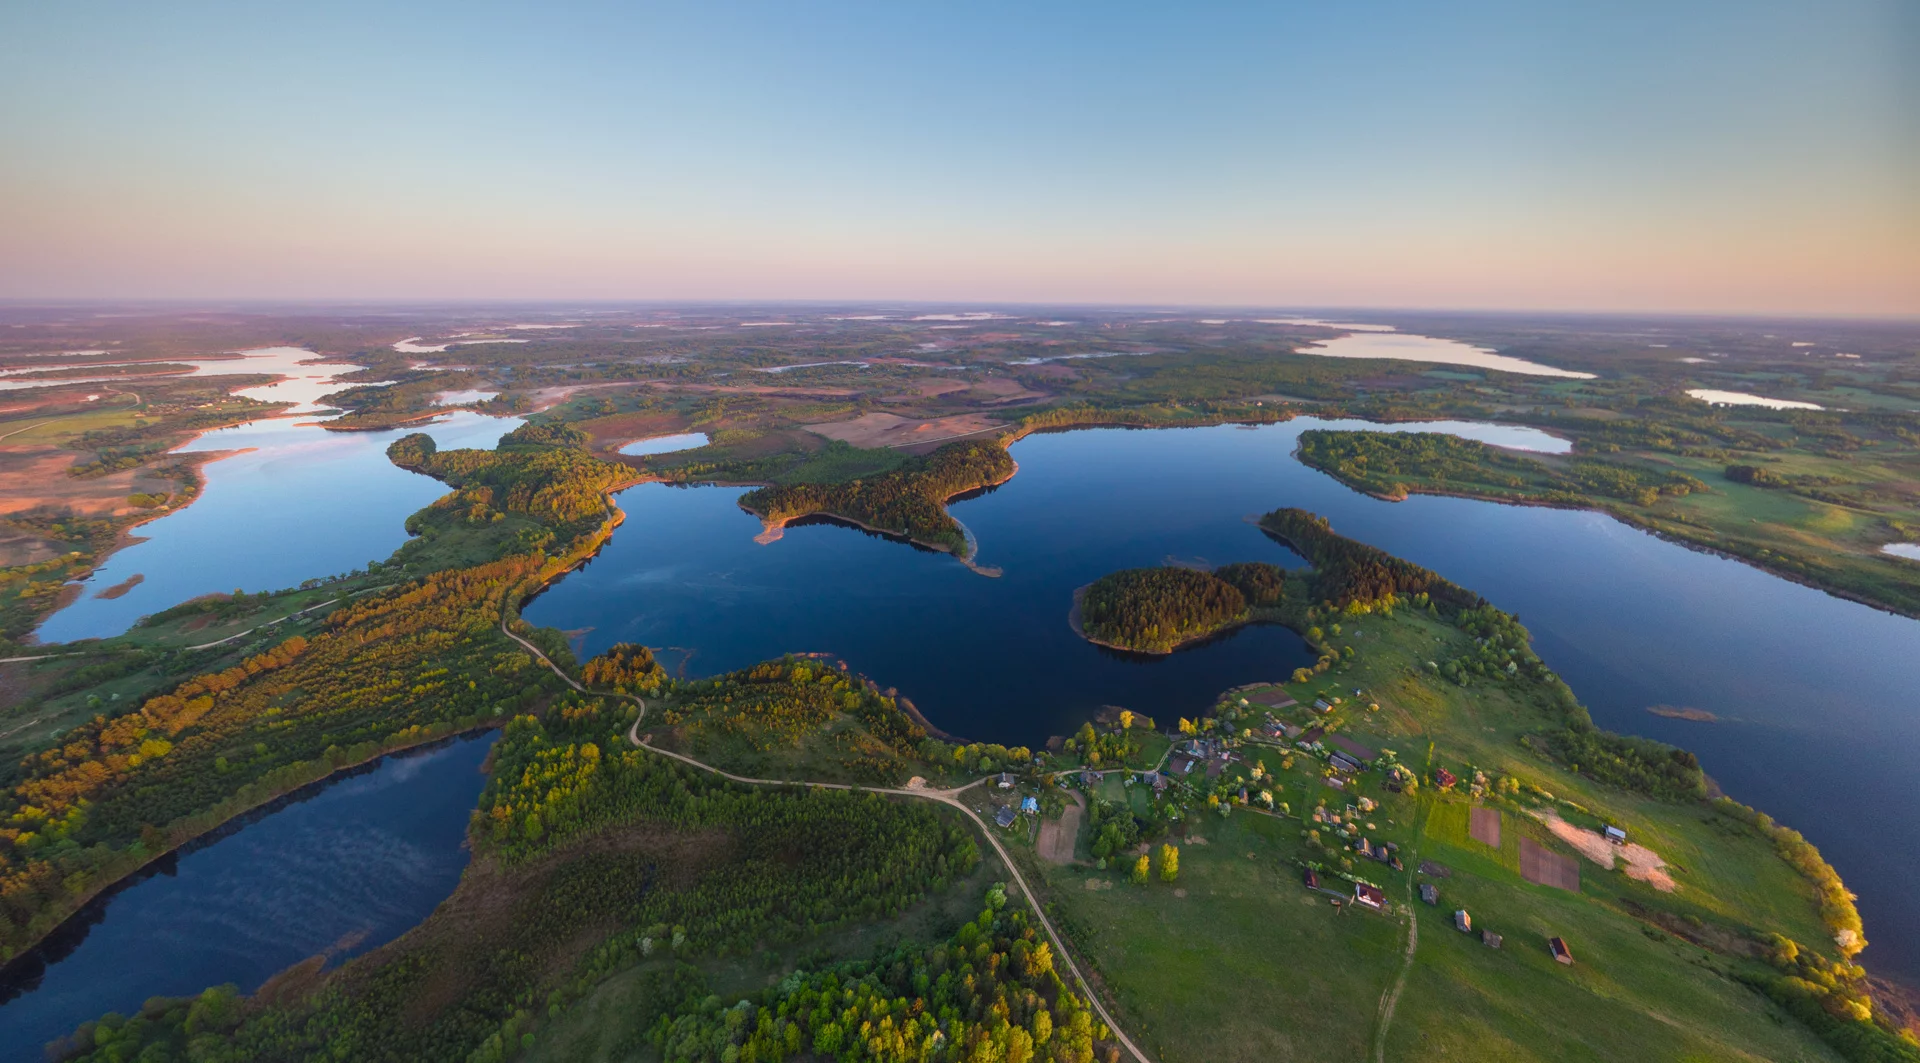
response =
{"points": [[1429, 893], [1320, 705], [1342, 762], [1558, 946], [1370, 896], [1313, 880], [1490, 939], [1004, 817], [1616, 836], [1462, 921]]}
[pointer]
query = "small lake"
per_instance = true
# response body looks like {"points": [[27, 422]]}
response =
{"points": [[1742, 398], [1910, 551], [1410, 348], [292, 502], [339, 869], [1809, 689], [665, 444]]}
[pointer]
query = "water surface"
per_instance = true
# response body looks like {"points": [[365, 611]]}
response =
{"points": [[1742, 398], [1809, 689], [292, 502], [338, 869], [665, 444], [1411, 348]]}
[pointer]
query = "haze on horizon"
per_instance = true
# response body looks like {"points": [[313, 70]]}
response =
{"points": [[1660, 156]]}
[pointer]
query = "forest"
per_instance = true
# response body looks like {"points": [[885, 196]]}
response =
{"points": [[592, 857], [1154, 610], [1391, 464], [910, 501], [1351, 573]]}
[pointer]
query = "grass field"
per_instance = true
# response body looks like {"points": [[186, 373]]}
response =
{"points": [[1239, 961]]}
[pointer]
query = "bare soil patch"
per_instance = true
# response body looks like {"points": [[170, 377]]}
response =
{"points": [[1642, 863], [1484, 825], [889, 430], [1545, 867], [1057, 836]]}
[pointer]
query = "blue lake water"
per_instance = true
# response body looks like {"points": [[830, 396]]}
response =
{"points": [[1819, 715], [338, 869], [295, 502]]}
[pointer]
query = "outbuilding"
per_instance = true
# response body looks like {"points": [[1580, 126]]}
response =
{"points": [[1005, 816], [1616, 836], [1429, 893], [1462, 921], [1561, 953]]}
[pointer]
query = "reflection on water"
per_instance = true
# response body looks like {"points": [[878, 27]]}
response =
{"points": [[1742, 398], [665, 444], [293, 502], [1810, 688], [1410, 348], [340, 869]]}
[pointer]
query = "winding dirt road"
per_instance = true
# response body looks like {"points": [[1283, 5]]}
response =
{"points": [[949, 798]]}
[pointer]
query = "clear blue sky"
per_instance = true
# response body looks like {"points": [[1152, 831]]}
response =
{"points": [[1742, 155]]}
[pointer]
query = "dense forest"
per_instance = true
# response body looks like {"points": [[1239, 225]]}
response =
{"points": [[909, 501], [1391, 464], [625, 668], [1153, 610], [776, 714], [593, 857], [1347, 572]]}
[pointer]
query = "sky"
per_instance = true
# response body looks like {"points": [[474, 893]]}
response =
{"points": [[1741, 156]]}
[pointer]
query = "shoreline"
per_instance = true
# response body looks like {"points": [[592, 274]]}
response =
{"points": [[1074, 621], [1628, 519]]}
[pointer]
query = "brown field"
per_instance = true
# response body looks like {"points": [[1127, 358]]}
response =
{"points": [[1057, 836], [888, 430], [1541, 865], [1484, 826], [35, 476]]}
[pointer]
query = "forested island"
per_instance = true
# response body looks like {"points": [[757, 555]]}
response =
{"points": [[910, 501], [1157, 610]]}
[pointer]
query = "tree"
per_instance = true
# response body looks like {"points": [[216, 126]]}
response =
{"points": [[1140, 869], [1126, 719], [1169, 863]]}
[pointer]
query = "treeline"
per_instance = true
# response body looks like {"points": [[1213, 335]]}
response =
{"points": [[990, 992], [1832, 999], [910, 501], [1154, 610], [388, 670], [626, 668], [636, 858], [1351, 573], [758, 718], [1391, 464], [554, 483]]}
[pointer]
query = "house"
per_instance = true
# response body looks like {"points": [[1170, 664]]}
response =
{"points": [[1369, 896], [1490, 939], [1364, 848], [1004, 817], [1616, 836], [1462, 921], [1429, 893], [1092, 778], [1443, 778], [1558, 946], [1006, 780], [1313, 880], [1031, 806]]}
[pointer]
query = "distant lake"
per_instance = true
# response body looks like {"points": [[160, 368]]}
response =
{"points": [[340, 869], [1809, 689], [1742, 398], [293, 502], [1411, 348], [665, 444]]}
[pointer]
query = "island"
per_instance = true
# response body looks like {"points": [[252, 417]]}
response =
{"points": [[1159, 610]]}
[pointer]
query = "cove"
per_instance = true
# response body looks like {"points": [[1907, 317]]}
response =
{"points": [[1814, 694], [338, 868], [292, 502]]}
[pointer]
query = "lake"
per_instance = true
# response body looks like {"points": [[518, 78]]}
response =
{"points": [[1810, 689], [339, 868], [292, 502]]}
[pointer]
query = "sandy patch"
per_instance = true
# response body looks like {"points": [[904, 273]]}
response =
{"points": [[889, 430], [1642, 863], [1056, 836]]}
